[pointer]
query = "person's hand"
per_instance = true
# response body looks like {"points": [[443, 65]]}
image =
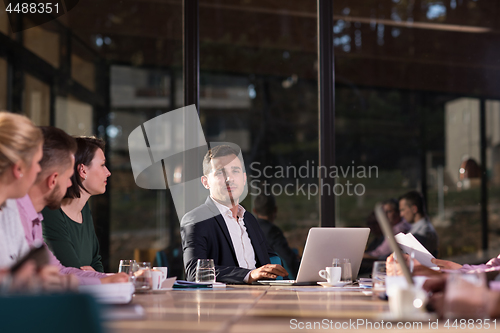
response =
{"points": [[422, 270], [69, 282], [51, 279], [494, 304], [115, 278], [392, 268], [25, 277], [435, 303], [267, 272], [446, 264], [435, 284], [87, 268]]}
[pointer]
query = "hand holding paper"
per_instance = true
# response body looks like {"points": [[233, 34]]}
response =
{"points": [[409, 243]]}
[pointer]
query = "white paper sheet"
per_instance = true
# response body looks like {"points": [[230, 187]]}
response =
{"points": [[409, 243]]}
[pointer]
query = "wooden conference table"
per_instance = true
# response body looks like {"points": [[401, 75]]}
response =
{"points": [[260, 309]]}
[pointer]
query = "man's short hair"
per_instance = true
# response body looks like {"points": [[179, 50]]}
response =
{"points": [[414, 198], [58, 146], [218, 151], [393, 202], [265, 204]]}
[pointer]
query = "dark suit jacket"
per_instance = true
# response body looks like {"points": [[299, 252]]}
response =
{"points": [[205, 236]]}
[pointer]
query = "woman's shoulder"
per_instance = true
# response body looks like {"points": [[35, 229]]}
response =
{"points": [[53, 215]]}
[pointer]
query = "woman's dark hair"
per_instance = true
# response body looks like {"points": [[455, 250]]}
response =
{"points": [[87, 146]]}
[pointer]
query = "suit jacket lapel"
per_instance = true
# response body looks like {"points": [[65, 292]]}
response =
{"points": [[222, 224]]}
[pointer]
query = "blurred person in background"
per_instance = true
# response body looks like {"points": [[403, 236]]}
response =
{"points": [[20, 154], [69, 231], [412, 209], [391, 209], [266, 210]]}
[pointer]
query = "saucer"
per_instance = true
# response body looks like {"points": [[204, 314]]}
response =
{"points": [[328, 285], [161, 291]]}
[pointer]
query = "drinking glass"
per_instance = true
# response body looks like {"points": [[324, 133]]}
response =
{"points": [[465, 296], [125, 266], [345, 264], [379, 274], [205, 271], [140, 275]]}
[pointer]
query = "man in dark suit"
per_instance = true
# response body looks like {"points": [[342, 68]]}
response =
{"points": [[221, 229], [264, 207]]}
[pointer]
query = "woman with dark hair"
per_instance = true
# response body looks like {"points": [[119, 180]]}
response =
{"points": [[69, 231]]}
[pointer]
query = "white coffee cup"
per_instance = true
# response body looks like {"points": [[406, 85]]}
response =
{"points": [[331, 274], [157, 277], [163, 269]]}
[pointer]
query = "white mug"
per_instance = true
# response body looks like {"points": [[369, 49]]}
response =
{"points": [[157, 277], [163, 269], [331, 274]]}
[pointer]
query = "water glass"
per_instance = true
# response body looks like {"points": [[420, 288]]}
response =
{"points": [[465, 296], [125, 266], [379, 274], [140, 276], [205, 271], [345, 264]]}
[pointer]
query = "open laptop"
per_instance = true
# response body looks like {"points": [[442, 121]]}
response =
{"points": [[322, 245]]}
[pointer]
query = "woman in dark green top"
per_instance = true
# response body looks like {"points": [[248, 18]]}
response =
{"points": [[69, 231]]}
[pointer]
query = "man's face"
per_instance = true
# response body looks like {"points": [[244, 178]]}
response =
{"points": [[407, 212], [391, 213], [227, 180], [63, 181]]}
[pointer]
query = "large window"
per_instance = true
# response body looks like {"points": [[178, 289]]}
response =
{"points": [[413, 80], [409, 80], [259, 89]]}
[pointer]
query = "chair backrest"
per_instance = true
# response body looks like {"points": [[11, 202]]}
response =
{"points": [[161, 259], [50, 313], [276, 260]]}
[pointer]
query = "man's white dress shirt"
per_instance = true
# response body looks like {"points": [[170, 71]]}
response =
{"points": [[239, 236]]}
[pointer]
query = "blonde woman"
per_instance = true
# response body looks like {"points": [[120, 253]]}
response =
{"points": [[20, 154]]}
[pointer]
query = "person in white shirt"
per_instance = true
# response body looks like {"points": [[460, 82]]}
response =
{"points": [[222, 230], [412, 209]]}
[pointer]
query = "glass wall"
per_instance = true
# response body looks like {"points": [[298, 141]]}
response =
{"points": [[74, 116], [44, 41], [3, 83], [83, 65], [142, 44], [409, 78], [258, 89], [4, 21], [36, 100], [141, 219], [493, 173]]}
